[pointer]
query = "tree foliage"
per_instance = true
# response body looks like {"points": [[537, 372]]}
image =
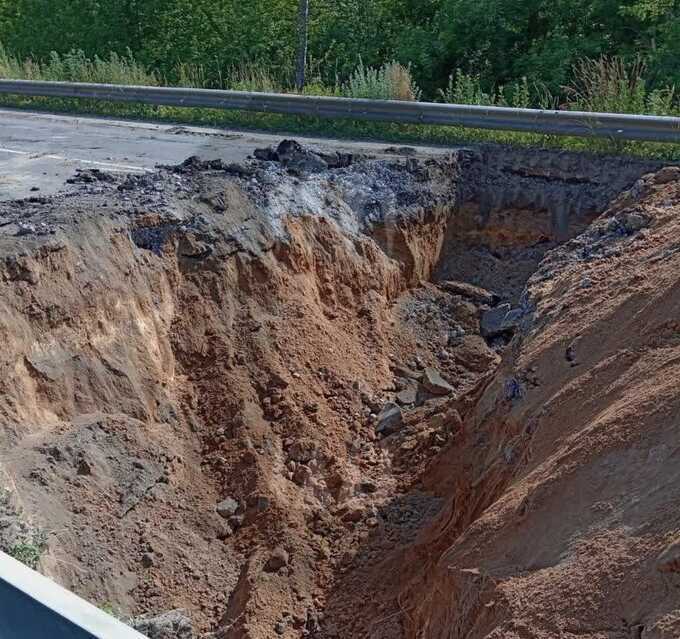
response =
{"points": [[503, 42]]}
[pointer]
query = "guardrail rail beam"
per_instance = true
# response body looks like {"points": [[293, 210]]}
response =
{"points": [[572, 123]]}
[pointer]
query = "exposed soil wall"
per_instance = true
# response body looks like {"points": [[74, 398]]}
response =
{"points": [[268, 394], [558, 518]]}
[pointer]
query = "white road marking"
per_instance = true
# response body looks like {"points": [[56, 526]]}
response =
{"points": [[113, 165], [13, 152], [61, 158]]}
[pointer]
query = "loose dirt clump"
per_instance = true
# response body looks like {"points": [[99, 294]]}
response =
{"points": [[308, 395]]}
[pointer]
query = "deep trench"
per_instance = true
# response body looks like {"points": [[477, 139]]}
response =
{"points": [[287, 348], [494, 243], [502, 253]]}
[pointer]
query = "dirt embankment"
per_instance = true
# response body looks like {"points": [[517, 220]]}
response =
{"points": [[269, 394], [560, 518]]}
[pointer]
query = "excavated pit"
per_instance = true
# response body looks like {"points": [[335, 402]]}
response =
{"points": [[233, 390]]}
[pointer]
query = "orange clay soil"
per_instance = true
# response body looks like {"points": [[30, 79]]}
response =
{"points": [[271, 396], [561, 492]]}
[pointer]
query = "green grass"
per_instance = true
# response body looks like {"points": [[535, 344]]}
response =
{"points": [[30, 552], [31, 543], [604, 84]]}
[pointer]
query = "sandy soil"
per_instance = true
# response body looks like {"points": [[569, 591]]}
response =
{"points": [[560, 517], [270, 395]]}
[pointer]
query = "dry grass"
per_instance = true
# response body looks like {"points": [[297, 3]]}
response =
{"points": [[252, 77], [608, 84]]}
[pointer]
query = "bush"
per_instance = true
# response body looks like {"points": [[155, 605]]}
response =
{"points": [[662, 102], [520, 95], [464, 88], [392, 81]]}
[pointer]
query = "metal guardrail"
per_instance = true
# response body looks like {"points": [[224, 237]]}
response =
{"points": [[581, 124], [33, 607]]}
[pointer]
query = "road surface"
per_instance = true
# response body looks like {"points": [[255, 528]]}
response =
{"points": [[39, 152]]}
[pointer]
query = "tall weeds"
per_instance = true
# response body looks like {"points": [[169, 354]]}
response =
{"points": [[605, 85], [75, 66], [608, 84], [464, 88], [392, 81], [251, 76], [192, 75], [611, 85]]}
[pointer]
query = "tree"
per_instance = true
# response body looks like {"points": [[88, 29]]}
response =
{"points": [[303, 39]]}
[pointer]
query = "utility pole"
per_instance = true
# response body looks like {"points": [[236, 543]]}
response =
{"points": [[303, 38]]}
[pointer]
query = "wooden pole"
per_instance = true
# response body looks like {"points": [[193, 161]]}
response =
{"points": [[303, 37]]}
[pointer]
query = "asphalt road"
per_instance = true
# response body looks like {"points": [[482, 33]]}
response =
{"points": [[39, 152]]}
